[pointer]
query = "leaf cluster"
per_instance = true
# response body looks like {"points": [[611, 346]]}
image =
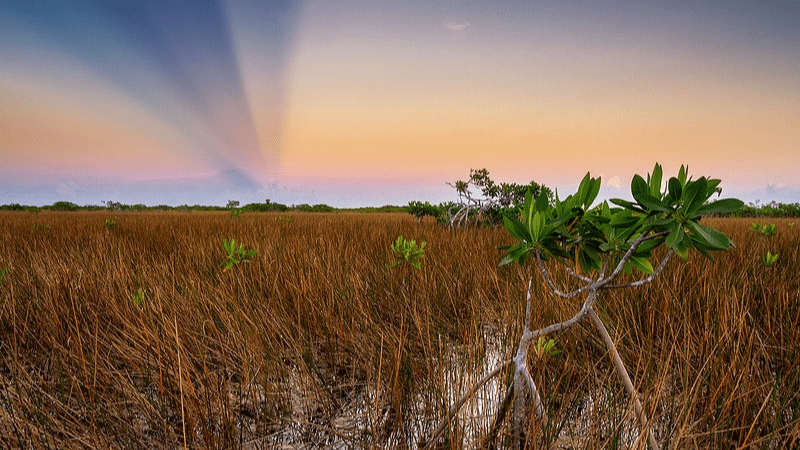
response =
{"points": [[236, 255], [139, 297], [765, 230], [544, 346], [770, 259], [573, 231], [410, 252]]}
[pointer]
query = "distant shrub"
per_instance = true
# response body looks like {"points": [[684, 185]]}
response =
{"points": [[64, 206], [321, 207], [264, 207]]}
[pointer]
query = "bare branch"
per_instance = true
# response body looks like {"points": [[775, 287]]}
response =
{"points": [[528, 306], [628, 254], [603, 269], [577, 275], [622, 372], [553, 287], [645, 280], [537, 400], [528, 336]]}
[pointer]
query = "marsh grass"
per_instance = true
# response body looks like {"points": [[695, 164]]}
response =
{"points": [[319, 342]]}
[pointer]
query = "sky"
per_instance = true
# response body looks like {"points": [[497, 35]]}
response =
{"points": [[373, 102]]}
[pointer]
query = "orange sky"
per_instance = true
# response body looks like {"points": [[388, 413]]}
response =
{"points": [[355, 94]]}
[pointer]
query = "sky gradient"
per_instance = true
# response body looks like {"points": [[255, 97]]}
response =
{"points": [[357, 103]]}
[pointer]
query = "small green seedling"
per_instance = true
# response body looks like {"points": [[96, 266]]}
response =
{"points": [[545, 347], [41, 226], [2, 274], [791, 224], [410, 252], [139, 297], [765, 230], [285, 219], [236, 254], [109, 224], [769, 259]]}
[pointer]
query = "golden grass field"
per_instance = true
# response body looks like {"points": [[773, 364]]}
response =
{"points": [[137, 338]]}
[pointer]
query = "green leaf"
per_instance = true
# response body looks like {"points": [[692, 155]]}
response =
{"points": [[638, 186], [627, 205], [542, 204], [527, 204], [675, 236], [700, 246], [682, 248], [515, 228], [661, 222], [711, 187], [694, 196], [655, 181], [682, 175], [535, 226], [647, 247], [594, 189], [606, 211], [651, 203], [642, 264], [516, 253], [584, 188], [714, 239], [675, 189], [589, 260], [725, 206]]}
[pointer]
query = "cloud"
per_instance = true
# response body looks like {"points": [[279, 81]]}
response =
{"points": [[614, 181], [456, 26]]}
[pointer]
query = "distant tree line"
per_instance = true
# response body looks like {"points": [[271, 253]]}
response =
{"points": [[267, 206], [497, 200], [771, 209]]}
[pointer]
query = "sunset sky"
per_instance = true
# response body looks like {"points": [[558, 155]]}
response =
{"points": [[358, 103]]}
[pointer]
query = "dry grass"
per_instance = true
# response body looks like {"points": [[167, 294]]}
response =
{"points": [[318, 342]]}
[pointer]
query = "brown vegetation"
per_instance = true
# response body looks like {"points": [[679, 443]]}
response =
{"points": [[135, 337]]}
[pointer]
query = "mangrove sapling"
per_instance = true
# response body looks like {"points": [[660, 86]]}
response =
{"points": [[236, 255], [596, 245], [410, 253], [769, 259]]}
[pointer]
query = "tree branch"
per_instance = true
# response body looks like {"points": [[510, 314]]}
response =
{"points": [[645, 280], [531, 335], [552, 286], [577, 275], [625, 378], [628, 254]]}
